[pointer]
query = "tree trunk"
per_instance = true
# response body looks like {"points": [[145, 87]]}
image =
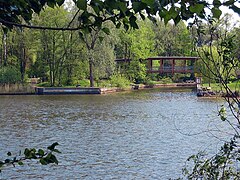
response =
{"points": [[91, 72], [4, 40], [22, 55], [90, 61]]}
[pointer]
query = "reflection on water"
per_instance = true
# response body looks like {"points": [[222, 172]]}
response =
{"points": [[137, 135]]}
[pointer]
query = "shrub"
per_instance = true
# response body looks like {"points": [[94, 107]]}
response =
{"points": [[149, 82], [9, 75], [83, 83], [44, 84], [166, 80], [137, 71], [119, 81]]}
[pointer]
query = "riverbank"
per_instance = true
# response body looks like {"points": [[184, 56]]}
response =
{"points": [[29, 89], [17, 89]]}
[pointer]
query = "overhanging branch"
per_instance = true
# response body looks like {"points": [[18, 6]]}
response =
{"points": [[39, 27]]}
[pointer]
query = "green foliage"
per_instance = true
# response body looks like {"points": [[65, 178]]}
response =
{"points": [[44, 84], [149, 82], [118, 12], [119, 81], [10, 75], [218, 58], [219, 64], [166, 80], [115, 80], [136, 71], [45, 157], [222, 113], [83, 83], [177, 77], [222, 165]]}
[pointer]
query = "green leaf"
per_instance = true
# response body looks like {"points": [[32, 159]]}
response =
{"points": [[52, 147], [177, 20], [197, 8], [43, 161], [142, 16], [173, 13], [133, 23], [216, 12], [82, 4], [20, 163], [217, 3], [163, 13], [53, 159], [106, 30], [60, 2], [149, 3], [51, 4], [26, 152], [56, 150], [101, 38], [229, 3], [122, 6], [235, 9], [118, 25], [41, 152], [167, 18], [138, 6]]}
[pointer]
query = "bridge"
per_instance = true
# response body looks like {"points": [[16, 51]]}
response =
{"points": [[167, 64], [171, 64]]}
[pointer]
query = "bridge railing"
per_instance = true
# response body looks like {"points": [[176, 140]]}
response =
{"points": [[169, 68]]}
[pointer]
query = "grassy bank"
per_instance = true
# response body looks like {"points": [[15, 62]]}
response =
{"points": [[234, 86]]}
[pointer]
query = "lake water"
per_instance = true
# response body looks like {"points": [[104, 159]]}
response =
{"points": [[134, 135]]}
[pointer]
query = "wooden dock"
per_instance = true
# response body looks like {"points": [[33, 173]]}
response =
{"points": [[61, 90]]}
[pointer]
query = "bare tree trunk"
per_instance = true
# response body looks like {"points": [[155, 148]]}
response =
{"points": [[22, 56], [91, 72], [54, 63], [4, 40]]}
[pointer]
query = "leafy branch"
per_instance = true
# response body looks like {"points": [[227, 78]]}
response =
{"points": [[45, 157]]}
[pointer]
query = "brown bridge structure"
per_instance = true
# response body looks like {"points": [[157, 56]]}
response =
{"points": [[167, 64], [171, 64]]}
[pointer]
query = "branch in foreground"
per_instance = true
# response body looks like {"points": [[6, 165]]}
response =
{"points": [[44, 157], [39, 27]]}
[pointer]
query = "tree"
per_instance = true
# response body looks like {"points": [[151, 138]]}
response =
{"points": [[136, 45], [221, 55], [172, 40]]}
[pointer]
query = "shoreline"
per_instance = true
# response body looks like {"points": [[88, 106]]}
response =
{"points": [[34, 90]]}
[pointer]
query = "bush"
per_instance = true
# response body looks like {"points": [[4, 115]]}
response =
{"points": [[149, 82], [119, 81], [83, 83], [44, 84], [9, 75], [166, 80], [136, 71]]}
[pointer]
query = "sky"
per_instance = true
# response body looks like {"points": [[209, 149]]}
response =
{"points": [[235, 16]]}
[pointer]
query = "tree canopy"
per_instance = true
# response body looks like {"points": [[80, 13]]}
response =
{"points": [[119, 12]]}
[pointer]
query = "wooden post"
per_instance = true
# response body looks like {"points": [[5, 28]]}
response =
{"points": [[185, 66], [161, 66], [150, 64], [173, 66]]}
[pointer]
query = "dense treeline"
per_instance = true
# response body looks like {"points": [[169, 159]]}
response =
{"points": [[61, 58]]}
